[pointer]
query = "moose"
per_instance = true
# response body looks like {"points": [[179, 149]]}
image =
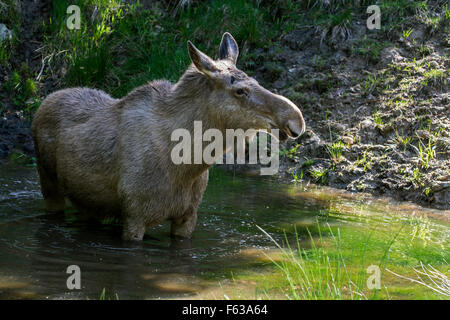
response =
{"points": [[111, 157]]}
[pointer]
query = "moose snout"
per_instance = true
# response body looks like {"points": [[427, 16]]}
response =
{"points": [[291, 118], [297, 126]]}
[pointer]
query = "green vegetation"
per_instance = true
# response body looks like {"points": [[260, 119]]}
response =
{"points": [[104, 297], [416, 177], [297, 176], [9, 15], [332, 259], [369, 48], [435, 77], [377, 118], [407, 33], [123, 46], [365, 161], [25, 92], [335, 150], [313, 273], [426, 153], [319, 175], [21, 158], [291, 152], [402, 140]]}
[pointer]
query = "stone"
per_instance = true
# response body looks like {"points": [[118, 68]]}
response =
{"points": [[5, 33]]}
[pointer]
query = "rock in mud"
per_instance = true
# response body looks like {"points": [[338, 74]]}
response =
{"points": [[5, 33]]}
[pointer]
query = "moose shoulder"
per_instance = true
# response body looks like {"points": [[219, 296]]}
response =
{"points": [[112, 156]]}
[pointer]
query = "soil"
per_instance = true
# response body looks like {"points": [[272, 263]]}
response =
{"points": [[15, 133], [369, 105]]}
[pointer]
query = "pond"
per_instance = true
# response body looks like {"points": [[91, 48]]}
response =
{"points": [[228, 256]]}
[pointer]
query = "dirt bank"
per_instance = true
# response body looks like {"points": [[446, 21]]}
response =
{"points": [[377, 106]]}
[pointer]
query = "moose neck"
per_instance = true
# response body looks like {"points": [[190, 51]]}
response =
{"points": [[190, 110]]}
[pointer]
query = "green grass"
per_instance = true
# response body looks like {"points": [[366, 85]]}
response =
{"points": [[319, 175], [126, 46], [25, 92], [434, 77], [104, 297], [403, 141], [377, 118], [365, 161], [297, 176], [10, 16], [407, 33], [21, 158], [290, 152], [334, 263], [123, 46], [335, 151], [426, 153], [369, 48], [315, 274]]}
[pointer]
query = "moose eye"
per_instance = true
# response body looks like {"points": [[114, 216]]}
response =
{"points": [[240, 92]]}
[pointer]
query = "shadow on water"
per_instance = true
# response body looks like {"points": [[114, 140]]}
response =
{"points": [[36, 248]]}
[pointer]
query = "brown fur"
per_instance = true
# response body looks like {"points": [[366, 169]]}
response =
{"points": [[112, 156]]}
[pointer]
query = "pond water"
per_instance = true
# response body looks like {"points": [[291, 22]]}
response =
{"points": [[36, 248]]}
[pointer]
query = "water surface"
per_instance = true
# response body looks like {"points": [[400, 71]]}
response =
{"points": [[36, 248]]}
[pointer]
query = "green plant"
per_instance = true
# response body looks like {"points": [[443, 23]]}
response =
{"points": [[377, 118], [434, 77], [21, 158], [446, 12], [319, 175], [291, 152], [426, 153], [297, 177], [103, 295], [370, 84], [308, 163], [366, 161], [274, 68], [432, 278], [407, 33], [335, 151], [417, 177], [155, 41], [428, 192], [402, 140], [314, 274], [369, 48], [420, 228], [29, 88]]}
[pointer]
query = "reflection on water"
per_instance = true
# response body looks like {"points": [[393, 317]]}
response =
{"points": [[36, 248]]}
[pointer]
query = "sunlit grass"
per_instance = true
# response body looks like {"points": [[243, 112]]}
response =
{"points": [[121, 46], [335, 262]]}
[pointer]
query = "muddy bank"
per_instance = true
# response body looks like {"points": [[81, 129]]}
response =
{"points": [[15, 136], [377, 106], [25, 23]]}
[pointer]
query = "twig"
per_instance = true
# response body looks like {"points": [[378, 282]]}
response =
{"points": [[443, 287]]}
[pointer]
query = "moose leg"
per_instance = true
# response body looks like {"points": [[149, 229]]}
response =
{"points": [[184, 226], [54, 199]]}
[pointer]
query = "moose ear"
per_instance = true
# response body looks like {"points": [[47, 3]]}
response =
{"points": [[203, 63], [229, 49]]}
